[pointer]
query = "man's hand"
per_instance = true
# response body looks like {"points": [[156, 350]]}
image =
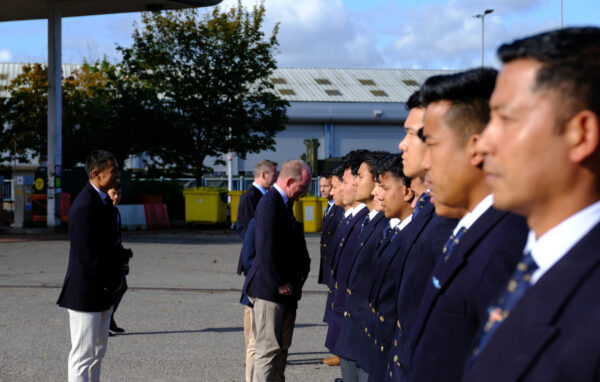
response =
{"points": [[285, 289]]}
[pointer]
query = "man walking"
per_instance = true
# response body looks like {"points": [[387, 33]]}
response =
{"points": [[274, 284], [94, 271]]}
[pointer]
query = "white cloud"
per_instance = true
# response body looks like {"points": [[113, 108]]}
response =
{"points": [[319, 33], [5, 55]]}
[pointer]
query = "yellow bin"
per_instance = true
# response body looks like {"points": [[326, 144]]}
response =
{"points": [[298, 210], [313, 213], [324, 203], [235, 202], [205, 205]]}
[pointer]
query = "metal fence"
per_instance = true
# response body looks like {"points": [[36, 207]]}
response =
{"points": [[243, 183]]}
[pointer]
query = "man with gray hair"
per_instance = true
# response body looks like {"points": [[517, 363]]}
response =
{"points": [[274, 283]]}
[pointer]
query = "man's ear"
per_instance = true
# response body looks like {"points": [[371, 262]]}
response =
{"points": [[476, 159], [408, 194], [581, 135], [95, 173]]}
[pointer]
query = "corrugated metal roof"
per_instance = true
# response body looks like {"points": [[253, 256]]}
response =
{"points": [[312, 84], [349, 85], [9, 71]]}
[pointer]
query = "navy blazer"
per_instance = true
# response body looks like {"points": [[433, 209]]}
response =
{"points": [[384, 291], [417, 272], [246, 210], [248, 254], [553, 333], [281, 254], [328, 234], [340, 233], [341, 265], [94, 269], [455, 304], [351, 340]]}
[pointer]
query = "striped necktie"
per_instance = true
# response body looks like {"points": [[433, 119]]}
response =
{"points": [[516, 288], [423, 200], [452, 242]]}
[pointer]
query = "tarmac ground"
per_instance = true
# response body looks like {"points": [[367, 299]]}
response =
{"points": [[181, 314]]}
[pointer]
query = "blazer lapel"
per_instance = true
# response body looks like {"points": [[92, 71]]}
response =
{"points": [[531, 324]]}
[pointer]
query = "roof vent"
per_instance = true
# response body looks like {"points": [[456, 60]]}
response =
{"points": [[367, 82], [379, 93], [287, 91], [322, 81], [278, 80], [410, 82], [333, 92]]}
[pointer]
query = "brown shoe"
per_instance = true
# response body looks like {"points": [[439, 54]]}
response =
{"points": [[332, 361]]}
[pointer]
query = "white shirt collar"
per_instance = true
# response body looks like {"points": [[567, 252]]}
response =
{"points": [[357, 209], [373, 213], [282, 193], [348, 212], [470, 218], [102, 194], [394, 222], [260, 188], [554, 244], [405, 222]]}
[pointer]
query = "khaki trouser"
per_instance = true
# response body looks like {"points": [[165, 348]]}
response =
{"points": [[250, 343], [273, 327]]}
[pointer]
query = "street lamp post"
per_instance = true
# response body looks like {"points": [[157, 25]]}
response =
{"points": [[482, 17]]}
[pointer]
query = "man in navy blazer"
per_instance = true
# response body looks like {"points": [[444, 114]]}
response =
{"points": [[485, 246], [331, 218], [274, 283], [94, 272], [265, 174], [542, 161], [359, 273]]}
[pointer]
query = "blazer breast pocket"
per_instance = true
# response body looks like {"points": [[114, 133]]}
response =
{"points": [[452, 306]]}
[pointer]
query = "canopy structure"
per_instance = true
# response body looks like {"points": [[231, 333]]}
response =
{"points": [[54, 11], [13, 10]]}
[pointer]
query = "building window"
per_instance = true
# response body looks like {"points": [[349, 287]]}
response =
{"points": [[322, 81], [333, 92], [367, 82], [379, 93]]}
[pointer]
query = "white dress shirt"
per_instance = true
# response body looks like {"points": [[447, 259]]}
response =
{"points": [[357, 209], [102, 194], [470, 218], [282, 193], [554, 244]]}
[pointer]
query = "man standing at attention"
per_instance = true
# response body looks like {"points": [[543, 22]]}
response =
{"points": [[542, 161], [94, 271], [265, 174], [331, 218], [274, 284]]}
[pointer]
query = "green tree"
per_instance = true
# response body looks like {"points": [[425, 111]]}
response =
{"points": [[26, 115], [101, 109], [211, 73]]}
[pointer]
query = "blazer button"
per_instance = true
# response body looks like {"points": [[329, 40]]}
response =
{"points": [[395, 358], [349, 291], [399, 325], [382, 349], [381, 318]]}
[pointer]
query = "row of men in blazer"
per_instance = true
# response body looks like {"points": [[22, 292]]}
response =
{"points": [[473, 255]]}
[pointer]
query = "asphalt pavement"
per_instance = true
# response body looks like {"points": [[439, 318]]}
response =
{"points": [[182, 315]]}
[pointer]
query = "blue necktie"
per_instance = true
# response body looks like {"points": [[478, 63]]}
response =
{"points": [[516, 288], [423, 200], [364, 223], [452, 242]]}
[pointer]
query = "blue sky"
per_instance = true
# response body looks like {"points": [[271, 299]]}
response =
{"points": [[427, 34]]}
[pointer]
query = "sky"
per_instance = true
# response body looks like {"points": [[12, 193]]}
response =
{"points": [[407, 34]]}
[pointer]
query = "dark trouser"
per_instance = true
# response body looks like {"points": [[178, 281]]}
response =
{"points": [[119, 296], [351, 372]]}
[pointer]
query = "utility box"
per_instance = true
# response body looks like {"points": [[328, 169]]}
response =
{"points": [[23, 188], [205, 205]]}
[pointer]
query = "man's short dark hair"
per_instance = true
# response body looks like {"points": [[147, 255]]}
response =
{"points": [[469, 94], [372, 159], [337, 171], [392, 164], [414, 101], [570, 61], [354, 159], [98, 160]]}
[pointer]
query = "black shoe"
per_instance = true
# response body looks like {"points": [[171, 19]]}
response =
{"points": [[115, 328]]}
